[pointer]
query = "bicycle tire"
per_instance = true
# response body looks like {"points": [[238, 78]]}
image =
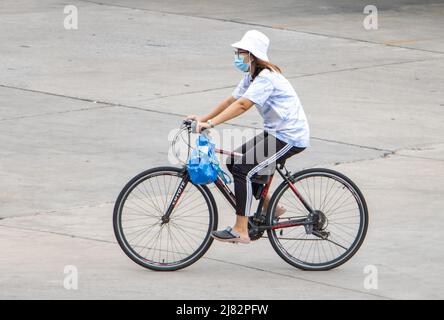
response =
{"points": [[120, 235], [363, 212]]}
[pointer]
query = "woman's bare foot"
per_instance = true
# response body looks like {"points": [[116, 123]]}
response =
{"points": [[280, 210], [242, 231]]}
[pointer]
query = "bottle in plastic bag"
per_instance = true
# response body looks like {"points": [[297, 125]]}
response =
{"points": [[200, 164]]}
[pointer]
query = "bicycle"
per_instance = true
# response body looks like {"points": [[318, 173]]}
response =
{"points": [[163, 222]]}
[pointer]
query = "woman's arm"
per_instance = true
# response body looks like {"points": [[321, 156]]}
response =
{"points": [[235, 109], [221, 107]]}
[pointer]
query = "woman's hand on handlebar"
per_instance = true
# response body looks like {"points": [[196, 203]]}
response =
{"points": [[202, 126], [197, 125]]}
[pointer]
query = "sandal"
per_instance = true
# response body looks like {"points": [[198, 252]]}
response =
{"points": [[229, 235]]}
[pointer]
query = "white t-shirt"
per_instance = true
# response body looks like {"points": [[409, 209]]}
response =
{"points": [[279, 106]]}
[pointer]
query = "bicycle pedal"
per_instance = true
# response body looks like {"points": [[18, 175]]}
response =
{"points": [[322, 234]]}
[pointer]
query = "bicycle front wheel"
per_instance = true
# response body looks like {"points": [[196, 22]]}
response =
{"points": [[147, 237], [340, 215]]}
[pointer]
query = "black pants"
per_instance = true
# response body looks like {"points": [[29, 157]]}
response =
{"points": [[259, 158]]}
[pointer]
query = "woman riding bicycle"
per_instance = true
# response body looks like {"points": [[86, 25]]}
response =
{"points": [[286, 131]]}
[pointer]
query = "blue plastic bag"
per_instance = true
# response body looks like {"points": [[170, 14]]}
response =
{"points": [[203, 166]]}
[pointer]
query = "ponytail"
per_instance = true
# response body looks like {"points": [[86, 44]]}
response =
{"points": [[261, 65]]}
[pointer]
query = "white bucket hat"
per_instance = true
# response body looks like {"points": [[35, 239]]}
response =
{"points": [[255, 42]]}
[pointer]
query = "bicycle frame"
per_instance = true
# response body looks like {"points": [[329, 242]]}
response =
{"points": [[229, 195]]}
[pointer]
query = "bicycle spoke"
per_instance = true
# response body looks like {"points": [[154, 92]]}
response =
{"points": [[335, 243], [333, 208], [327, 193], [148, 194], [188, 236], [154, 196]]}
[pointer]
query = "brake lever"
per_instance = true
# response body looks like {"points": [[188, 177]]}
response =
{"points": [[193, 126]]}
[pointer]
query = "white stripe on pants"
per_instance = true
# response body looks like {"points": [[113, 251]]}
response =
{"points": [[261, 165]]}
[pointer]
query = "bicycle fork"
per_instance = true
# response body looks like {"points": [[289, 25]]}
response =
{"points": [[175, 199]]}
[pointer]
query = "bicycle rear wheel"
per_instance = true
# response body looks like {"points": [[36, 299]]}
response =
{"points": [[157, 244], [341, 216]]}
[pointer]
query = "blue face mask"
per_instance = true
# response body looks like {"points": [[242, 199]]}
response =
{"points": [[239, 63]]}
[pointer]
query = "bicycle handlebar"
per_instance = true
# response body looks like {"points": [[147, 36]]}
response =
{"points": [[192, 125]]}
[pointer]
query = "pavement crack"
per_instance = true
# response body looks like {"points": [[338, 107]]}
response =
{"points": [[389, 153], [298, 278], [105, 103], [418, 148], [191, 92], [417, 157], [300, 76], [318, 34], [58, 234], [53, 113], [353, 144], [48, 93], [35, 214], [362, 68], [382, 156]]}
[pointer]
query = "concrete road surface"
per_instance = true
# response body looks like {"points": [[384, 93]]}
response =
{"points": [[82, 111]]}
